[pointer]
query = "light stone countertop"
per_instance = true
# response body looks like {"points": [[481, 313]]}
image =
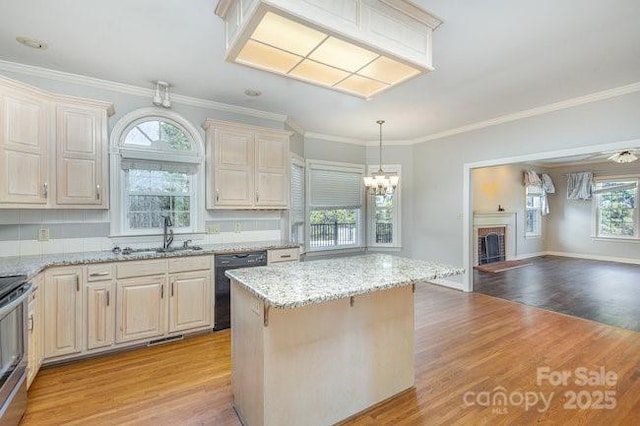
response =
{"points": [[32, 265], [294, 285]]}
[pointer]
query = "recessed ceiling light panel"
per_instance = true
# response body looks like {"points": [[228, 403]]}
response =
{"points": [[390, 41], [32, 42]]}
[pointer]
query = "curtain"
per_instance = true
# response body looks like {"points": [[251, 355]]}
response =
{"points": [[580, 186]]}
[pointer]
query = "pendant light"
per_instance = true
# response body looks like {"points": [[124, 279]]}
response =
{"points": [[381, 183], [623, 157]]}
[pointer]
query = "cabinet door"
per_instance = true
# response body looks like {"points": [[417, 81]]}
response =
{"points": [[190, 301], [63, 311], [140, 311], [233, 169], [24, 167], [272, 171], [100, 314], [81, 156]]}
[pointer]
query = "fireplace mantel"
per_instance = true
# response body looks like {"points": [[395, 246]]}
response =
{"points": [[496, 219]]}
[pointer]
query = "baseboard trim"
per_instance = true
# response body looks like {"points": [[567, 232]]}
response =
{"points": [[448, 283], [595, 257], [529, 255]]}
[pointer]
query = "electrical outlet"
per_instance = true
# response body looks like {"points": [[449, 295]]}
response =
{"points": [[43, 234], [213, 229], [237, 227]]}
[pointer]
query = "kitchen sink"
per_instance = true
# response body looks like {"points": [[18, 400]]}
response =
{"points": [[128, 250]]}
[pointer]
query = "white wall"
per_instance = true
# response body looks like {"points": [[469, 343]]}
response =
{"points": [[439, 164], [571, 223], [502, 185]]}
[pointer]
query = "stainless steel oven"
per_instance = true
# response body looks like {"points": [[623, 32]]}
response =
{"points": [[14, 293]]}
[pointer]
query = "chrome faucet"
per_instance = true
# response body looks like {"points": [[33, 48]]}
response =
{"points": [[166, 232]]}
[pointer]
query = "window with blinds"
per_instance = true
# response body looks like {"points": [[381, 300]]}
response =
{"points": [[335, 198], [158, 161], [296, 212]]}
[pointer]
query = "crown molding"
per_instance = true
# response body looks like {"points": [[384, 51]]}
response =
{"points": [[334, 138], [557, 106], [129, 89], [295, 126]]}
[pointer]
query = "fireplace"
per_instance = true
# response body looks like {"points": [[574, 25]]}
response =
{"points": [[494, 237], [491, 246]]}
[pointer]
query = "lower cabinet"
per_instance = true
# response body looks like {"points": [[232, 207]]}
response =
{"points": [[63, 311], [100, 319], [190, 300], [140, 308], [87, 309], [35, 329]]}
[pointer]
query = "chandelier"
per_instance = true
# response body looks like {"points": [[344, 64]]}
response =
{"points": [[623, 157], [381, 183]]}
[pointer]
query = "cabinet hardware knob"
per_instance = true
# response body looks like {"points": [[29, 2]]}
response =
{"points": [[30, 327], [172, 283], [257, 197], [99, 274], [45, 190], [162, 292], [77, 283], [98, 192], [217, 195], [108, 298]]}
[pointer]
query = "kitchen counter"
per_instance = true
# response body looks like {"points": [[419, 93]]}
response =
{"points": [[32, 265], [316, 342], [298, 284]]}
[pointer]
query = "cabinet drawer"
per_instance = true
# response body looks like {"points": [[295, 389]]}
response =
{"points": [[102, 272], [190, 263], [283, 255], [141, 268]]}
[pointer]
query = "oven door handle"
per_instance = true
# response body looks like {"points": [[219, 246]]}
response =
{"points": [[6, 309]]}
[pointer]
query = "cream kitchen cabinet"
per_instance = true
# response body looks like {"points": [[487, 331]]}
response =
{"points": [[100, 306], [63, 311], [247, 166], [190, 301], [81, 157], [35, 330], [53, 149], [283, 255], [24, 147], [141, 308]]}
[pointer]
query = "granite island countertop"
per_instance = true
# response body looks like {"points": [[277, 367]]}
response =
{"points": [[294, 285], [32, 265]]}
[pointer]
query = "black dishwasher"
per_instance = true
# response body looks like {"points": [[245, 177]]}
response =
{"points": [[223, 284]]}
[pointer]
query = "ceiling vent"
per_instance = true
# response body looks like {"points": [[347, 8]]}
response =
{"points": [[360, 47]]}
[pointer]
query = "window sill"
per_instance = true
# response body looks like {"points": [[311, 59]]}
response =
{"points": [[152, 238], [617, 239], [325, 253], [533, 237], [384, 248]]}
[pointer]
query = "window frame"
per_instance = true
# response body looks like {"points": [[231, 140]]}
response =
{"points": [[596, 209], [396, 214], [538, 233], [118, 177], [360, 243]]}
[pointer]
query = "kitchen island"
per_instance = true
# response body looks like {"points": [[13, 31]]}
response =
{"points": [[316, 342]]}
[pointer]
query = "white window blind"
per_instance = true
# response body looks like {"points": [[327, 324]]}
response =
{"points": [[333, 186], [297, 193]]}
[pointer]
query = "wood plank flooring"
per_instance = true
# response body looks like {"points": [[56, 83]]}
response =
{"points": [[465, 344], [607, 292]]}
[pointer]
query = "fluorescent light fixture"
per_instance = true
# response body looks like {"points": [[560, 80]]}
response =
{"points": [[303, 41]]}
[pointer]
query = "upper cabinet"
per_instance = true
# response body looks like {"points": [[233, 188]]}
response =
{"points": [[247, 166], [53, 149], [24, 144]]}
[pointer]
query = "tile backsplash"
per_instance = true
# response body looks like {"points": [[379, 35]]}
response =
{"points": [[73, 231]]}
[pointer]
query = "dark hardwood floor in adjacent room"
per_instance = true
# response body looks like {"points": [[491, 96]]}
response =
{"points": [[466, 343], [606, 292]]}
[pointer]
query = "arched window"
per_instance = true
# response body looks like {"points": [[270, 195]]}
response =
{"points": [[157, 158]]}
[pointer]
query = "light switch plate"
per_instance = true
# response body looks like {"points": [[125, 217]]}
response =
{"points": [[43, 234]]}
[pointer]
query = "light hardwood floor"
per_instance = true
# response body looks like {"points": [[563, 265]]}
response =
{"points": [[465, 344]]}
